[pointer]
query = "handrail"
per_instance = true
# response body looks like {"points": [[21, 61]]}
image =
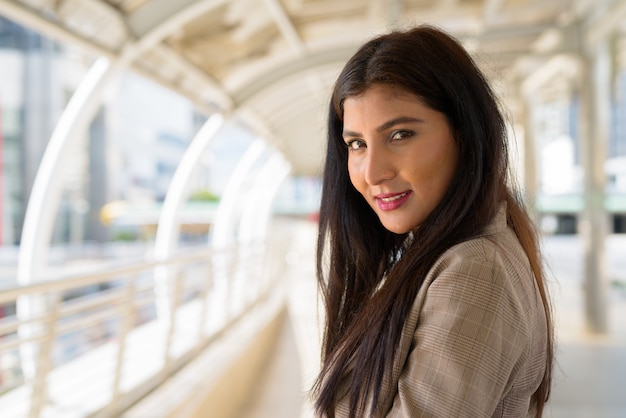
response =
{"points": [[61, 282], [111, 326]]}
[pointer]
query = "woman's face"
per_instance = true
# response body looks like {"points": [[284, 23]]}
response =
{"points": [[401, 154]]}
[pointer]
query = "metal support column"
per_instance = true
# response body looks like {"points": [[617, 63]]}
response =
{"points": [[594, 224], [529, 161]]}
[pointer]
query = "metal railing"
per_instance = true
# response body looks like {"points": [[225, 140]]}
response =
{"points": [[110, 335]]}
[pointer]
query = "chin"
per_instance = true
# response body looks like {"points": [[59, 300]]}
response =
{"points": [[400, 228], [396, 229]]}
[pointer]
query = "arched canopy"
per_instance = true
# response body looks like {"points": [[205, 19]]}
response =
{"points": [[274, 60]]}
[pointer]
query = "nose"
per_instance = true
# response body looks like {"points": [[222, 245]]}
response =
{"points": [[378, 166]]}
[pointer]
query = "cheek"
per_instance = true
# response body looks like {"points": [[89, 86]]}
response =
{"points": [[432, 176]]}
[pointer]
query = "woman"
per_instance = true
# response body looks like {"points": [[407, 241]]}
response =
{"points": [[428, 264]]}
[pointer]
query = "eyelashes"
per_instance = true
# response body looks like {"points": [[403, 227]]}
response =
{"points": [[399, 135], [355, 144]]}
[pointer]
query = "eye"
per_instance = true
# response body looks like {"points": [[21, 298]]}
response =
{"points": [[398, 135], [355, 144]]}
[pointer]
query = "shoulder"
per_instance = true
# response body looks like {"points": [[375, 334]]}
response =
{"points": [[470, 332], [483, 258], [480, 293], [483, 286], [500, 254], [489, 274]]}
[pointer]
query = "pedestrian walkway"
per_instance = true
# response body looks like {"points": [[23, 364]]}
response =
{"points": [[591, 369], [590, 372], [282, 393]]}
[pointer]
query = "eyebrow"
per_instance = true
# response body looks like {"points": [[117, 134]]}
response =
{"points": [[388, 124]]}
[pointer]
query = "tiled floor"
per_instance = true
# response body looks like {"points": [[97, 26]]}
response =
{"points": [[590, 379], [290, 373], [280, 394]]}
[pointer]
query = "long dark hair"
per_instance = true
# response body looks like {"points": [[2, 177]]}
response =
{"points": [[364, 313]]}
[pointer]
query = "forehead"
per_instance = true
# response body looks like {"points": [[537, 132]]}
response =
{"points": [[384, 92], [380, 102]]}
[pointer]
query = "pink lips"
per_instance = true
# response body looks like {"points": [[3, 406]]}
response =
{"points": [[392, 201]]}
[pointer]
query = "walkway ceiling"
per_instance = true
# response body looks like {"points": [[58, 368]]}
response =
{"points": [[271, 63]]}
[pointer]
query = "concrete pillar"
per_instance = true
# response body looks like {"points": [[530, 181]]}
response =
{"points": [[595, 113], [98, 187], [529, 152]]}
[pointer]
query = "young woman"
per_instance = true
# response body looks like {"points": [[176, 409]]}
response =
{"points": [[429, 266]]}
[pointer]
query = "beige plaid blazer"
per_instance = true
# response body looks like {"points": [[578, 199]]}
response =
{"points": [[474, 343]]}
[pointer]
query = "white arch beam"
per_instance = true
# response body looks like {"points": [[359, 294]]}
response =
{"points": [[223, 226], [46, 192], [47, 185], [222, 233], [254, 219], [178, 191], [168, 229], [280, 170], [254, 222]]}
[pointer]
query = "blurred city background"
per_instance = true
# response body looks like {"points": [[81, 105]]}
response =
{"points": [[160, 178]]}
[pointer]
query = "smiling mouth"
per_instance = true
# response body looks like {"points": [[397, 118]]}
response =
{"points": [[392, 198]]}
